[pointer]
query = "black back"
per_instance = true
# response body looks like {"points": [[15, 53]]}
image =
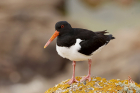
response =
{"points": [[95, 42]]}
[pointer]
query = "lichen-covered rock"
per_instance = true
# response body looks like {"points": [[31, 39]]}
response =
{"points": [[96, 85]]}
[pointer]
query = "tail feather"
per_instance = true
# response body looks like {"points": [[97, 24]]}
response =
{"points": [[102, 32], [107, 38], [111, 37]]}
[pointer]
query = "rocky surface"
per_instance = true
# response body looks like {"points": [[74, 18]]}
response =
{"points": [[96, 85]]}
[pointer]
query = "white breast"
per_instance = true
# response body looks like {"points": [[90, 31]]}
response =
{"points": [[72, 53]]}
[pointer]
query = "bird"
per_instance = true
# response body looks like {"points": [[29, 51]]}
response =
{"points": [[78, 44]]}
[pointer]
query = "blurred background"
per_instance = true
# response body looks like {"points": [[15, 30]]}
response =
{"points": [[26, 25]]}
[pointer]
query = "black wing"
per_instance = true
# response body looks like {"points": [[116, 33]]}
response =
{"points": [[93, 40]]}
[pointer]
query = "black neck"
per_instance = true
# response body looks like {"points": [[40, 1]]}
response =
{"points": [[66, 39]]}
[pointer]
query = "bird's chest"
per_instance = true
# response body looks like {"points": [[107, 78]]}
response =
{"points": [[65, 52], [71, 52]]}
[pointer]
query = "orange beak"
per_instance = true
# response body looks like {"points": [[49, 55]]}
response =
{"points": [[56, 33]]}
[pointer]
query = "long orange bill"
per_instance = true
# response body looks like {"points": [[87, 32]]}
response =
{"points": [[56, 33]]}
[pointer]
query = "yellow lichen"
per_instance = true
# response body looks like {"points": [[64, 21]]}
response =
{"points": [[96, 85]]}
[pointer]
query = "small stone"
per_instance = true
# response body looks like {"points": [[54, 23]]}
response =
{"points": [[84, 82], [91, 88], [93, 79], [125, 88]]}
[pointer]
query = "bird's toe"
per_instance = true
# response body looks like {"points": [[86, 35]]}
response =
{"points": [[72, 81], [86, 78]]}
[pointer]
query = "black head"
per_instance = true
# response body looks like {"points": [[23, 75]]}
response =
{"points": [[62, 26]]}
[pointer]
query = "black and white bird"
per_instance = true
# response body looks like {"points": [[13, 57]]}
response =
{"points": [[77, 44]]}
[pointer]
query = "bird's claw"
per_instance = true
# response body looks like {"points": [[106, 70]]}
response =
{"points": [[87, 77], [72, 80]]}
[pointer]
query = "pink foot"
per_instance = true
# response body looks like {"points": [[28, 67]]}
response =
{"points": [[130, 80], [72, 80], [87, 77]]}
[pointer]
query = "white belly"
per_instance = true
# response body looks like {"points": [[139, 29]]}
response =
{"points": [[72, 53]]}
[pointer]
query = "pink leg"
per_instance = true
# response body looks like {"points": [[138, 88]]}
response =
{"points": [[73, 76], [89, 72], [130, 80]]}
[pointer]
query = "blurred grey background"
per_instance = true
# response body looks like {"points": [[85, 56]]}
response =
{"points": [[26, 25]]}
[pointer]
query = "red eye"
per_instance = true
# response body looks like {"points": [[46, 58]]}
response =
{"points": [[62, 26]]}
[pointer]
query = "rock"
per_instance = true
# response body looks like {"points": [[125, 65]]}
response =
{"points": [[101, 85]]}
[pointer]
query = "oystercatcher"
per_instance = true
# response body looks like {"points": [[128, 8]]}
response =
{"points": [[77, 44]]}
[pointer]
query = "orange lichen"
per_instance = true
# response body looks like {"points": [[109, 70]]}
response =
{"points": [[96, 85]]}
